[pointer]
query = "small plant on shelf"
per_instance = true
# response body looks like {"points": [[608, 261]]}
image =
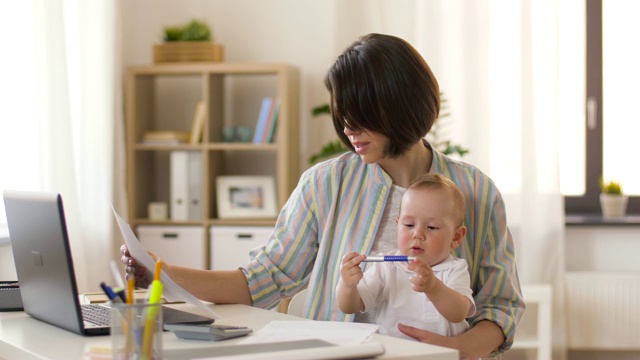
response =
{"points": [[613, 202], [194, 30], [610, 187], [192, 42]]}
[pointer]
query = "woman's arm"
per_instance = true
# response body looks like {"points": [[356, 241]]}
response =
{"points": [[221, 286], [489, 250], [479, 341], [224, 287]]}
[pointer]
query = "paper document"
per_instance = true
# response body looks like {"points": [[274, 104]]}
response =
{"points": [[335, 332], [172, 291]]}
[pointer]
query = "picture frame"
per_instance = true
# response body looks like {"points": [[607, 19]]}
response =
{"points": [[246, 197]]}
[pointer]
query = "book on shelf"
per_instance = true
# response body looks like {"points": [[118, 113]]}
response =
{"points": [[262, 120], [165, 137], [267, 124], [270, 133], [197, 125]]}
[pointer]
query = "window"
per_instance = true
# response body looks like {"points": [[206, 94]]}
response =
{"points": [[19, 147], [611, 127]]}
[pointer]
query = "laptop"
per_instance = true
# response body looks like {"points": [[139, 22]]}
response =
{"points": [[44, 266]]}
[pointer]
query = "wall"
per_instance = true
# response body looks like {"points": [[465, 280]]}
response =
{"points": [[602, 249], [295, 32]]}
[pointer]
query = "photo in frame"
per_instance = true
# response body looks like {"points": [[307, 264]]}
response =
{"points": [[246, 197]]}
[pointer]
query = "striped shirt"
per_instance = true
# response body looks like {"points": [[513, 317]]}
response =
{"points": [[336, 208]]}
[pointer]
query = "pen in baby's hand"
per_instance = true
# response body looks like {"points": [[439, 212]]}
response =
{"points": [[388, 258]]}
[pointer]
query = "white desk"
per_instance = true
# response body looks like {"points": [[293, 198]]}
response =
{"points": [[22, 337]]}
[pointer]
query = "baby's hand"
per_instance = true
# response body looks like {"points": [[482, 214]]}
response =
{"points": [[424, 280], [350, 271]]}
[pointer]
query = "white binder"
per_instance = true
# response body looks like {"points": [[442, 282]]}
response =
{"points": [[179, 185], [186, 185], [195, 186]]}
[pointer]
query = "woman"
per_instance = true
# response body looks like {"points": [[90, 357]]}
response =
{"points": [[384, 100]]}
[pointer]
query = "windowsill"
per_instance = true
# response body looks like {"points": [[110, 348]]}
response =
{"points": [[598, 220]]}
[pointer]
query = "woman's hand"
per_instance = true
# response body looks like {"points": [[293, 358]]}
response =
{"points": [[479, 341], [135, 270]]}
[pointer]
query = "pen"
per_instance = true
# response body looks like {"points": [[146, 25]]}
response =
{"points": [[155, 297], [110, 294], [388, 258], [120, 293], [130, 285], [129, 334]]}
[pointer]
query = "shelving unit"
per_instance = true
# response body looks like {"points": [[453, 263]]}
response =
{"points": [[534, 331], [163, 97]]}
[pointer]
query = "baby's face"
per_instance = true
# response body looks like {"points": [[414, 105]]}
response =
{"points": [[427, 225]]}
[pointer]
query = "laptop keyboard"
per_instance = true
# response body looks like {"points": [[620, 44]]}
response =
{"points": [[96, 314]]}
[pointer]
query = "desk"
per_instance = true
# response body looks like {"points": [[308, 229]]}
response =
{"points": [[22, 337]]}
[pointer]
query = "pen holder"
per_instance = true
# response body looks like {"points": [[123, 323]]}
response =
{"points": [[136, 331]]}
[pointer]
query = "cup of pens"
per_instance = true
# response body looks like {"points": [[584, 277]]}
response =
{"points": [[136, 331]]}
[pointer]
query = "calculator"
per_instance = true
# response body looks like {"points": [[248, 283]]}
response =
{"points": [[209, 332]]}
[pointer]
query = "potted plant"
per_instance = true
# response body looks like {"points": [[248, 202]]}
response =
{"points": [[335, 147], [613, 201], [191, 42]]}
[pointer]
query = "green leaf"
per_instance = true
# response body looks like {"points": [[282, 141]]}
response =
{"points": [[611, 187], [321, 109], [196, 31]]}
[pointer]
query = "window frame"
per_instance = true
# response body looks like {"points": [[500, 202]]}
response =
{"points": [[589, 202]]}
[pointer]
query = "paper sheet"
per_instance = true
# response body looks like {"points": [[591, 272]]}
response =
{"points": [[172, 291], [336, 332]]}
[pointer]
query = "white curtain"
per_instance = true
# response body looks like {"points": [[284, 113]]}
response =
{"points": [[499, 65], [67, 121]]}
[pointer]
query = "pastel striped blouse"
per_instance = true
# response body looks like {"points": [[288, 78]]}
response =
{"points": [[336, 208]]}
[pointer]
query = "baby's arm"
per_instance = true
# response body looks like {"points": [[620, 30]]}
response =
{"points": [[449, 303], [347, 294]]}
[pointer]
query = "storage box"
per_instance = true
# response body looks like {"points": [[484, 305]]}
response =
{"points": [[10, 298], [187, 51], [177, 245], [230, 245]]}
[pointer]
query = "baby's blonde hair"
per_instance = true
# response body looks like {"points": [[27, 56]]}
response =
{"points": [[440, 182]]}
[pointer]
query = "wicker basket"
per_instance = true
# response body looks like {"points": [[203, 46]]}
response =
{"points": [[188, 51]]}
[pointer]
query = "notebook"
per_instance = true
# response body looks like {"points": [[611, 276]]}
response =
{"points": [[44, 266]]}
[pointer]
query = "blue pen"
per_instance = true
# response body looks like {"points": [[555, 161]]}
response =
{"points": [[110, 294], [121, 294], [388, 258]]}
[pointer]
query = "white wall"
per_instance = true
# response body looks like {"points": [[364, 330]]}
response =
{"points": [[298, 32], [602, 249]]}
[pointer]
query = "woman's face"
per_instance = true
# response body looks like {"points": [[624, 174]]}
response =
{"points": [[369, 145]]}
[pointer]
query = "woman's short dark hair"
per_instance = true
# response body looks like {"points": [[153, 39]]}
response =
{"points": [[381, 83]]}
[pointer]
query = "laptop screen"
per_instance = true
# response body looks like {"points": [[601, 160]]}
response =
{"points": [[42, 255]]}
